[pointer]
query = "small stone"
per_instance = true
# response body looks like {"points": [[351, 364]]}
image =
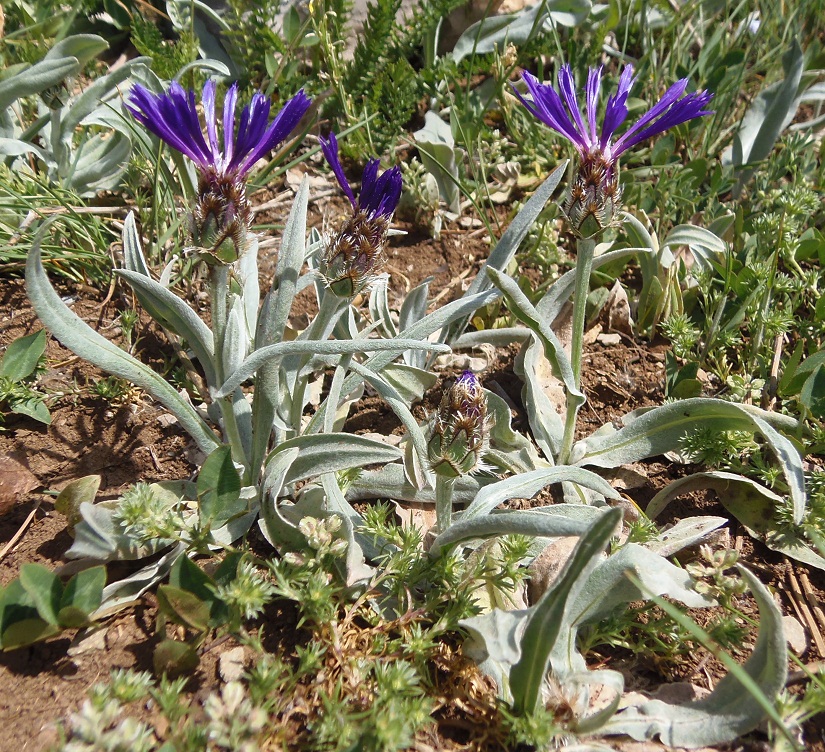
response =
{"points": [[609, 339], [88, 640], [231, 664], [795, 634]]}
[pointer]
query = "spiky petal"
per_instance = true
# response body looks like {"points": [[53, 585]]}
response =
{"points": [[355, 254], [173, 117], [595, 193], [221, 216]]}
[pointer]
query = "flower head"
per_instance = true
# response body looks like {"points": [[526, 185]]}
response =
{"points": [[173, 117], [355, 254], [220, 219], [596, 190], [459, 429]]}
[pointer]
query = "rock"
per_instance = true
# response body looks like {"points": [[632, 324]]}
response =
{"points": [[16, 481], [795, 634], [231, 664]]}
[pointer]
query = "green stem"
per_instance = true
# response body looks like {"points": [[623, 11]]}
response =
{"points": [[585, 249], [219, 286], [443, 502], [329, 306]]}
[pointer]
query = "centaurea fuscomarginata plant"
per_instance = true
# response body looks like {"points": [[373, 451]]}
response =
{"points": [[594, 197], [242, 342]]}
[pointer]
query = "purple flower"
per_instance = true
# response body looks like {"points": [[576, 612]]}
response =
{"points": [[562, 113], [221, 216], [595, 192], [173, 117], [379, 196], [354, 255]]}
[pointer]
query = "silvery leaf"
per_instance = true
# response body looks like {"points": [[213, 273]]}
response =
{"points": [[494, 643], [508, 244], [751, 503], [274, 353], [547, 618], [661, 429], [527, 485], [497, 31], [81, 339], [332, 452], [544, 522], [732, 709]]}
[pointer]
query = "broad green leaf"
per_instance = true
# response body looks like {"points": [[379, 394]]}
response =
{"points": [[44, 588], [174, 658], [83, 592], [662, 429], [219, 488], [184, 607], [81, 339], [16, 605], [22, 355], [738, 704], [33, 408], [546, 619], [26, 632], [74, 494]]}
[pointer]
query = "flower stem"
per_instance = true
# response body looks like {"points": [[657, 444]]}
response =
{"points": [[585, 248], [443, 502], [219, 286]]}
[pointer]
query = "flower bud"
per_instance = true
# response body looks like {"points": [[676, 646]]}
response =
{"points": [[355, 256], [459, 437]]}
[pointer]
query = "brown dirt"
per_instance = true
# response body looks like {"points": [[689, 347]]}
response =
{"points": [[40, 684]]}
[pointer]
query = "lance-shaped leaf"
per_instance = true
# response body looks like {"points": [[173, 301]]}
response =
{"points": [[509, 243], [547, 617], [333, 452], [751, 503], [662, 429], [81, 339], [741, 700], [391, 482], [388, 392], [527, 485], [525, 312], [173, 313], [274, 353], [545, 522]]}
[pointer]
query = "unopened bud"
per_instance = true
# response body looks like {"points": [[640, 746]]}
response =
{"points": [[459, 429]]}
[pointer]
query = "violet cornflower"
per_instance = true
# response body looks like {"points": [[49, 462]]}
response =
{"points": [[221, 216], [595, 192], [355, 254]]}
